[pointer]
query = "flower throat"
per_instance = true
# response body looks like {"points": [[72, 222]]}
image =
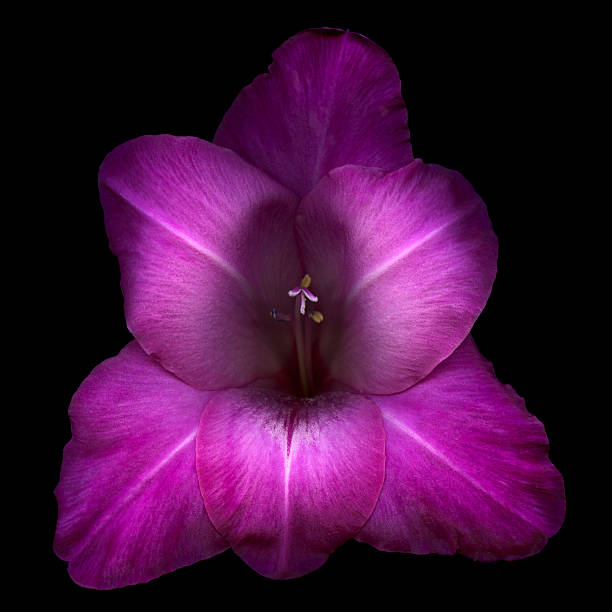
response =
{"points": [[302, 329]]}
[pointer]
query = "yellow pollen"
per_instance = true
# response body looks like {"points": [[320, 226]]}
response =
{"points": [[316, 316], [306, 282]]}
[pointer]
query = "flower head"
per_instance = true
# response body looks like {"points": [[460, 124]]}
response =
{"points": [[241, 415]]}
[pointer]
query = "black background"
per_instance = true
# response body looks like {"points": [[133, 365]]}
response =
{"points": [[487, 94]]}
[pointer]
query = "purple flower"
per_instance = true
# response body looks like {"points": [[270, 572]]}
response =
{"points": [[301, 293]]}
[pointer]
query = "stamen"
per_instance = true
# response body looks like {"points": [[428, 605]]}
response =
{"points": [[303, 331], [316, 316], [279, 316], [308, 351]]}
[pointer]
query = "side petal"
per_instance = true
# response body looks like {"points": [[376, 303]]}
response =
{"points": [[331, 98], [287, 480], [403, 263], [206, 249], [130, 508], [467, 468]]}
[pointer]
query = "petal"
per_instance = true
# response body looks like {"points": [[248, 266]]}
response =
{"points": [[130, 508], [402, 263], [330, 98], [287, 480], [467, 468], [206, 248]]}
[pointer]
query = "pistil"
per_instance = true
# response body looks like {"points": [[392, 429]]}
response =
{"points": [[298, 331], [302, 330]]}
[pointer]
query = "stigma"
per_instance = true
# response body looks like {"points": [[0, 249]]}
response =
{"points": [[304, 293]]}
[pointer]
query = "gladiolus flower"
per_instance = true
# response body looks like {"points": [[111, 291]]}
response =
{"points": [[301, 293]]}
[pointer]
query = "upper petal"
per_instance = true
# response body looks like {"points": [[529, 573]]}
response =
{"points": [[402, 263], [286, 480], [467, 468], [205, 247], [130, 508], [331, 98]]}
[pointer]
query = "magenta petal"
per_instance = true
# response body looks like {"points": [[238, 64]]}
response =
{"points": [[130, 508], [206, 248], [402, 263], [287, 480], [331, 98], [467, 468]]}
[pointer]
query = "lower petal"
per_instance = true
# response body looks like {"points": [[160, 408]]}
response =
{"points": [[467, 468], [130, 507], [287, 480]]}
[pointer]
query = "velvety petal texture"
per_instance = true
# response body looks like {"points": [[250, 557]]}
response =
{"points": [[331, 98], [205, 246], [194, 439], [130, 508], [467, 468], [286, 480], [402, 263]]}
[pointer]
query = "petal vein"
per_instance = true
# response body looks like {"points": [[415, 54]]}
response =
{"points": [[434, 451]]}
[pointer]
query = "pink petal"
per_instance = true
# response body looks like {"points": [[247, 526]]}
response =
{"points": [[467, 468], [287, 480], [331, 98], [130, 508], [402, 263], [206, 248]]}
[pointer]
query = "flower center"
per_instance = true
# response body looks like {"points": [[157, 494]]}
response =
{"points": [[302, 329]]}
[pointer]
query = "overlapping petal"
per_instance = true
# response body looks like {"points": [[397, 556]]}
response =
{"points": [[331, 98], [130, 508], [188, 441], [205, 246], [467, 468], [403, 264], [286, 480]]}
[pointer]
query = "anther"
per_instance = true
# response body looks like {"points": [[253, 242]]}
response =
{"points": [[316, 316], [279, 316]]}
